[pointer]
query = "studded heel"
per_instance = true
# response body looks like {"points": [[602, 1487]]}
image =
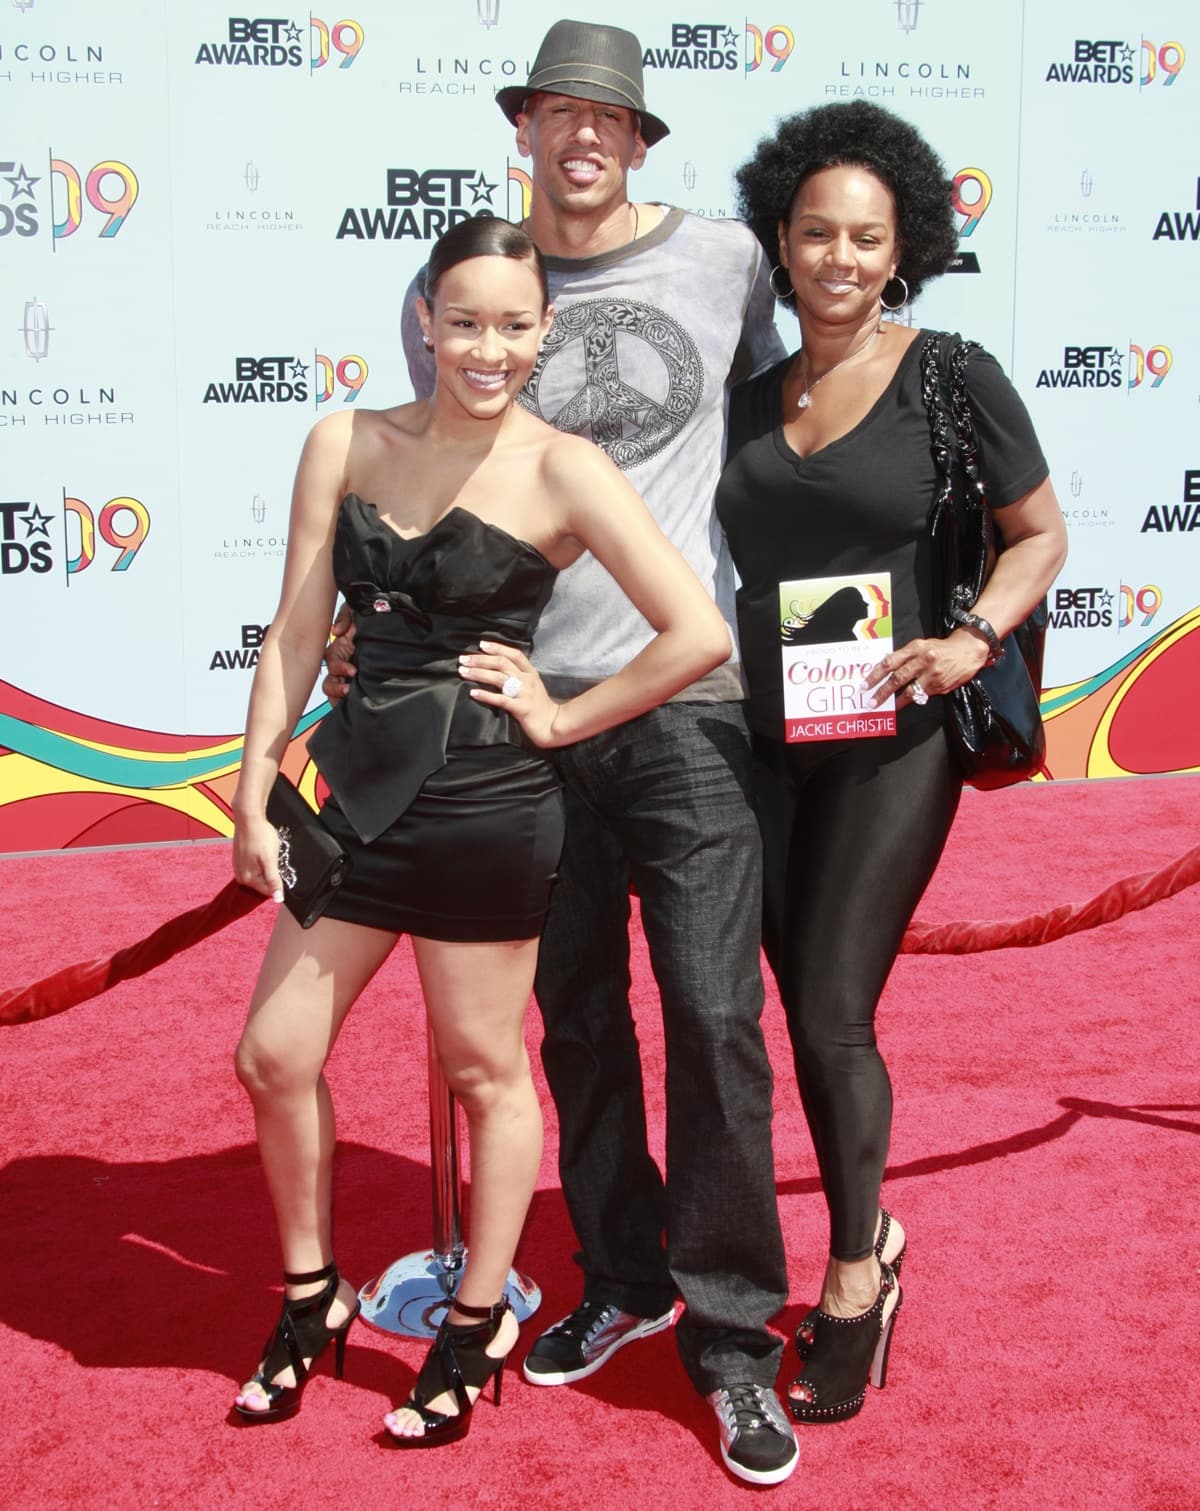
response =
{"points": [[457, 1362], [845, 1353], [885, 1229], [301, 1336], [804, 1332]]}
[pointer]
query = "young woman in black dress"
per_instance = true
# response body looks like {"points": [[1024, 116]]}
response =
{"points": [[443, 522]]}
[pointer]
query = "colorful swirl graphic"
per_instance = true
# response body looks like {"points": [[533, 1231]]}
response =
{"points": [[68, 780], [1126, 720]]}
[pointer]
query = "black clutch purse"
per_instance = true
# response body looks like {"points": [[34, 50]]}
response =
{"points": [[311, 862], [994, 722]]}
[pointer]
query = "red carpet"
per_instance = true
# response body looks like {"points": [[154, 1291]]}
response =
{"points": [[1043, 1161]]}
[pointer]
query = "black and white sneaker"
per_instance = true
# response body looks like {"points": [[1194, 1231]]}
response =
{"points": [[757, 1441], [582, 1343]]}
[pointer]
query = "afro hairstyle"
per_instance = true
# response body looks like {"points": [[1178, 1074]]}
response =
{"points": [[855, 134]]}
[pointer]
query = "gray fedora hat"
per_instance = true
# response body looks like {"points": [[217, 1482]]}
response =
{"points": [[600, 63]]}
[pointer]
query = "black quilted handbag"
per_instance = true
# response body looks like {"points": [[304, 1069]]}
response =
{"points": [[994, 722]]}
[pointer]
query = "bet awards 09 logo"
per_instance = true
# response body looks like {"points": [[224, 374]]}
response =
{"points": [[1104, 367], [77, 198], [276, 42], [286, 380], [1085, 367], [261, 43], [710, 46], [1115, 62], [122, 525], [1096, 608], [262, 380], [421, 204]]}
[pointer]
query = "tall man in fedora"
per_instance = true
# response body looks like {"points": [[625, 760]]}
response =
{"points": [[657, 313]]}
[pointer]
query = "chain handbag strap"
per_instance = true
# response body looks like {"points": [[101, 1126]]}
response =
{"points": [[976, 526], [939, 434], [958, 522], [960, 409]]}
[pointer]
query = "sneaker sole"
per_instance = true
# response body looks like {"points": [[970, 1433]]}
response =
{"points": [[644, 1329], [761, 1476]]}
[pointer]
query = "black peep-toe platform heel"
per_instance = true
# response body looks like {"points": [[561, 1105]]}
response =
{"points": [[301, 1333], [457, 1361]]}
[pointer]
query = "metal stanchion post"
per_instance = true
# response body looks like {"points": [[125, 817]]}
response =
{"points": [[412, 1295]]}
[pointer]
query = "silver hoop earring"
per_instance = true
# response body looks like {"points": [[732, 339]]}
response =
{"points": [[789, 291], [896, 278]]}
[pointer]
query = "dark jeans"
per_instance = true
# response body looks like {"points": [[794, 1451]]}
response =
{"points": [[852, 832], [665, 799]]}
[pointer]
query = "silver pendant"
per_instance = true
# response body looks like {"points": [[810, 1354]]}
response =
{"points": [[803, 401]]}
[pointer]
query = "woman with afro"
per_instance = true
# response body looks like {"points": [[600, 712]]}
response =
{"points": [[830, 474]]}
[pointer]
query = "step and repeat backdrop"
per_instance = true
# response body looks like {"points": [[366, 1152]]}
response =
{"points": [[208, 220]]}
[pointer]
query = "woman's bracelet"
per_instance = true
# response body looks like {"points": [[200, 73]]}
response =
{"points": [[982, 627]]}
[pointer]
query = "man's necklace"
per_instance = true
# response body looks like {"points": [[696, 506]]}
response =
{"points": [[525, 227], [805, 398]]}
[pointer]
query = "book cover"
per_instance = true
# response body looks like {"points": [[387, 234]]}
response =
{"points": [[834, 630]]}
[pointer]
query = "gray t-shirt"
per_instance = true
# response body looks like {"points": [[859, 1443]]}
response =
{"points": [[646, 340]]}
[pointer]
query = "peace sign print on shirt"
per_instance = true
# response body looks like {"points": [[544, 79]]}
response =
{"points": [[621, 373]]}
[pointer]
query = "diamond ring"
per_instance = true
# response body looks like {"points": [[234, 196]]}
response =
{"points": [[919, 696], [511, 687]]}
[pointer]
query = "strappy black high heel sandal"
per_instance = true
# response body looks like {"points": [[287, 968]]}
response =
{"points": [[458, 1361], [845, 1353], [301, 1333], [804, 1333]]}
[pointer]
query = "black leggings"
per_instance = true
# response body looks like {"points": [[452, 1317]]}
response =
{"points": [[852, 832]]}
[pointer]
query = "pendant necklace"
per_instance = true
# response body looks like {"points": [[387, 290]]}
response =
{"points": [[805, 398], [524, 226]]}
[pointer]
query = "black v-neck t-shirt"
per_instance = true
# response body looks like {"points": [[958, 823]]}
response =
{"points": [[859, 505]]}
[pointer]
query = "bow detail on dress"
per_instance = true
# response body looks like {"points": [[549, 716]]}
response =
{"points": [[367, 598]]}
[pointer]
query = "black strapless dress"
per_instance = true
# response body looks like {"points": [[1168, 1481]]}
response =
{"points": [[452, 818]]}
